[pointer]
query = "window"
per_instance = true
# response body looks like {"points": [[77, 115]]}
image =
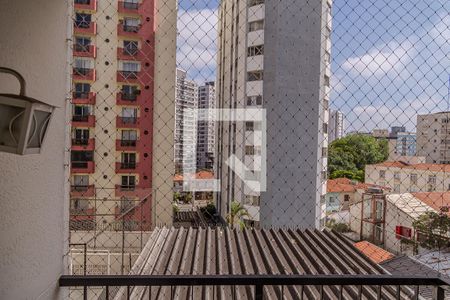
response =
{"points": [[249, 150], [324, 151], [128, 160], [130, 92], [81, 180], [382, 174], [403, 232], [432, 179], [325, 127], [82, 90], [252, 200], [131, 24], [256, 25], [81, 136], [346, 198], [80, 111], [130, 47], [255, 50], [327, 80], [82, 66], [82, 44], [130, 69], [129, 115], [129, 135], [128, 182], [397, 175], [79, 204], [254, 100], [413, 178], [255, 75], [131, 4], [82, 2], [82, 20], [249, 126]]}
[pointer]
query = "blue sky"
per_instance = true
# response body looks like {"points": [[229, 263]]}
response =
{"points": [[390, 58]]}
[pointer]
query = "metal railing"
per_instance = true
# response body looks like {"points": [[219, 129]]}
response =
{"points": [[128, 143], [392, 286], [80, 118], [80, 142]]}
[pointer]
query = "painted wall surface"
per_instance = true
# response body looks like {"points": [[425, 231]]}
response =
{"points": [[33, 189]]}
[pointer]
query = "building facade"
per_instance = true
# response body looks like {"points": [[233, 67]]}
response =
{"points": [[336, 126], [205, 128], [274, 56], [433, 137], [186, 102], [406, 144], [116, 120], [403, 177]]}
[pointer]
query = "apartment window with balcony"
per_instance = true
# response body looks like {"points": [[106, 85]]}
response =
{"points": [[255, 75], [80, 137], [130, 92], [82, 1], [82, 20], [82, 66], [81, 113], [256, 25], [130, 47], [130, 69], [128, 182], [128, 161], [129, 115], [82, 44], [80, 182], [129, 138], [255, 50], [82, 90], [131, 4], [131, 24], [80, 159], [254, 100]]}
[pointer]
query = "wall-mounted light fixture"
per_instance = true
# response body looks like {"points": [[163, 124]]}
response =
{"points": [[23, 120]]}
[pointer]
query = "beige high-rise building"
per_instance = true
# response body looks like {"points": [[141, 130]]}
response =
{"points": [[433, 137], [274, 55], [123, 114]]}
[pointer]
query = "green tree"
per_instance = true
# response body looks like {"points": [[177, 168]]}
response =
{"points": [[237, 211], [434, 228], [347, 157]]}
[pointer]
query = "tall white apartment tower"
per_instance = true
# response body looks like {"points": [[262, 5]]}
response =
{"points": [[336, 126], [205, 128], [185, 123], [433, 137], [275, 55]]}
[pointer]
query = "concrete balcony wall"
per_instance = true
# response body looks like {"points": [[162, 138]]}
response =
{"points": [[34, 189]]}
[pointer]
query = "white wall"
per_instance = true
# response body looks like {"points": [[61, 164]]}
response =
{"points": [[33, 193]]}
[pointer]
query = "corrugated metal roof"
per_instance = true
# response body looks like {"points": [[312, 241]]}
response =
{"points": [[409, 204], [224, 251]]}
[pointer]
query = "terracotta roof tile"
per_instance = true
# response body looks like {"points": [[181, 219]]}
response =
{"points": [[375, 253]]}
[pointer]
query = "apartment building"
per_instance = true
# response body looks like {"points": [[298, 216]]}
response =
{"points": [[274, 56], [186, 102], [120, 87], [433, 137], [403, 177], [205, 128], [336, 126], [406, 144]]}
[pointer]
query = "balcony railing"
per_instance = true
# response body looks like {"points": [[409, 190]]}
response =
{"points": [[124, 145], [80, 142], [85, 27], [82, 167], [84, 50], [128, 30], [83, 120], [130, 165], [127, 122], [361, 286], [128, 143], [84, 98], [83, 74], [82, 191]]}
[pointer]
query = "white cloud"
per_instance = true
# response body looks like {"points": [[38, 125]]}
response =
{"points": [[197, 43], [381, 60]]}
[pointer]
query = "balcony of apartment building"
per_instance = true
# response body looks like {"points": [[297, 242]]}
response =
{"points": [[128, 76], [85, 5], [125, 98], [127, 122], [130, 53], [128, 30], [84, 98], [83, 74], [82, 190], [126, 167], [81, 50], [126, 145], [82, 217], [82, 167], [129, 7], [83, 144], [127, 190], [83, 120], [85, 27]]}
